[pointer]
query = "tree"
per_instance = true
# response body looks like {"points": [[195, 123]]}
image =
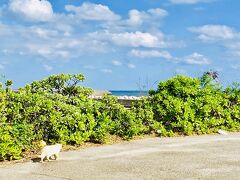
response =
{"points": [[209, 78], [65, 84]]}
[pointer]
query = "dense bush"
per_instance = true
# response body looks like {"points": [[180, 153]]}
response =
{"points": [[188, 105], [124, 121], [57, 109], [54, 110]]}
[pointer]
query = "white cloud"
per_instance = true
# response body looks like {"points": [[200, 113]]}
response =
{"points": [[131, 39], [106, 70], [158, 12], [137, 18], [48, 51], [68, 43], [90, 11], [67, 36], [116, 63], [47, 67], [137, 39], [223, 35], [43, 33], [214, 32], [47, 42], [197, 59], [188, 1], [33, 10], [150, 54], [131, 66]]}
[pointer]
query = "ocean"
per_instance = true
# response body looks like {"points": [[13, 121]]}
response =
{"points": [[128, 93]]}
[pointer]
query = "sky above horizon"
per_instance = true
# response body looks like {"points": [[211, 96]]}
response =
{"points": [[127, 45]]}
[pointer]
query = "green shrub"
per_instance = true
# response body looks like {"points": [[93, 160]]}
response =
{"points": [[125, 123], [187, 105], [56, 109], [15, 138]]}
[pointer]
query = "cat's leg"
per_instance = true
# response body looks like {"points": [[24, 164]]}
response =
{"points": [[56, 156], [48, 158], [42, 158]]}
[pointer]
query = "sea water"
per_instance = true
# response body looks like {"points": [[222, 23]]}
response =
{"points": [[128, 93]]}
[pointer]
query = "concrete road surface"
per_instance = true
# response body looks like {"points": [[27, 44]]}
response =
{"points": [[199, 157]]}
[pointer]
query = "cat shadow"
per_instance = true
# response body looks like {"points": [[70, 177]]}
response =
{"points": [[36, 160]]}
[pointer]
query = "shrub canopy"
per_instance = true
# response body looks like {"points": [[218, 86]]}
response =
{"points": [[57, 109]]}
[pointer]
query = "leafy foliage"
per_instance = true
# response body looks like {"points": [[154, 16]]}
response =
{"points": [[124, 121], [65, 84], [183, 105], [57, 109]]}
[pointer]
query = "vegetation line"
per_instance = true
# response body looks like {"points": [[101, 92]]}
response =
{"points": [[57, 109]]}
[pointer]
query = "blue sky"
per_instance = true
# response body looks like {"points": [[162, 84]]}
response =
{"points": [[119, 44]]}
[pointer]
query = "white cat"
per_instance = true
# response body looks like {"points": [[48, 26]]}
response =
{"points": [[51, 150]]}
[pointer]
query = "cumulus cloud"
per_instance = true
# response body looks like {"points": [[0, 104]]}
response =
{"points": [[222, 35], [116, 63], [128, 65], [188, 1], [47, 42], [194, 59], [136, 39], [43, 32], [131, 39], [214, 32], [137, 18], [91, 11], [33, 10], [158, 12], [150, 54], [131, 66], [197, 59], [48, 49], [61, 37], [49, 52]]}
